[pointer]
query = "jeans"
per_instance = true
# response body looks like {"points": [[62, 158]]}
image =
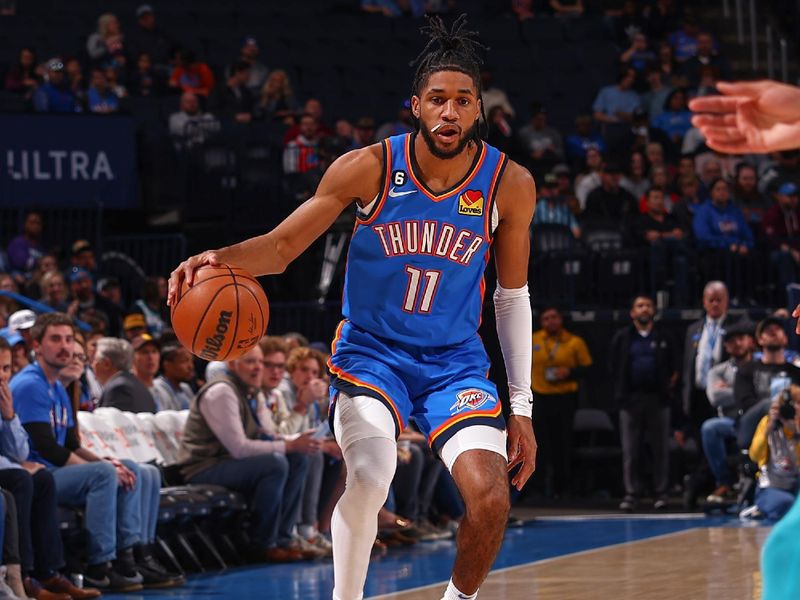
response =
{"points": [[713, 433], [11, 530], [113, 514], [274, 486], [316, 467], [41, 551], [150, 478], [774, 502]]}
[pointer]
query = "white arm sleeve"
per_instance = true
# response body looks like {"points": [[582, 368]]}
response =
{"points": [[514, 328]]}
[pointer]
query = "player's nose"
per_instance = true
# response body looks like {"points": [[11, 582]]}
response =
{"points": [[449, 111]]}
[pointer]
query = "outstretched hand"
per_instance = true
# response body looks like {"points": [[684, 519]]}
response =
{"points": [[758, 116], [186, 270], [521, 449]]}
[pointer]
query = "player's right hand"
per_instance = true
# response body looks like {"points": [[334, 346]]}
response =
{"points": [[186, 270]]}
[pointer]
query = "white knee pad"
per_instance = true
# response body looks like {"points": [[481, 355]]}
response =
{"points": [[361, 417], [474, 437]]}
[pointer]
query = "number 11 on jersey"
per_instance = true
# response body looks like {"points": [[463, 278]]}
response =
{"points": [[425, 281]]}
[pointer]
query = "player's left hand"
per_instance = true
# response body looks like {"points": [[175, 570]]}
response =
{"points": [[521, 449]]}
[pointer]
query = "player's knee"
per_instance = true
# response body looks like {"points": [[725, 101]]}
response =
{"points": [[489, 503], [370, 476]]}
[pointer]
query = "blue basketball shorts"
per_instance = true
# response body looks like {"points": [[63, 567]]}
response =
{"points": [[444, 389]]}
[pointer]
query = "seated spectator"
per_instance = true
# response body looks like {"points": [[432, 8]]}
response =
{"points": [[107, 489], [404, 123], [144, 79], [277, 101], [552, 209], [83, 256], [638, 56], [564, 188], [110, 289], [100, 99], [21, 322], [364, 132], [776, 449], [48, 263], [191, 126], [147, 38], [670, 69], [746, 195], [172, 386], [590, 178], [719, 224], [638, 136], [234, 100], [106, 45], [676, 118], [684, 40], [636, 180], [501, 135], [274, 416], [300, 154], [75, 80], [55, 95], [22, 78], [782, 233], [222, 445], [585, 138], [75, 378], [258, 70], [25, 249], [90, 305], [610, 204], [685, 209], [7, 305], [153, 306], [758, 382], [54, 291], [738, 344], [146, 359], [493, 96], [661, 180], [710, 171], [314, 108], [542, 145], [616, 103], [191, 75], [112, 364], [654, 99], [706, 57], [112, 81]]}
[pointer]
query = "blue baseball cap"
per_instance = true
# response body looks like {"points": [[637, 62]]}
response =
{"points": [[12, 337], [788, 189], [78, 273]]}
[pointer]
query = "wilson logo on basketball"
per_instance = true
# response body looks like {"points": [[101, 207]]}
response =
{"points": [[470, 400], [214, 343], [471, 203]]}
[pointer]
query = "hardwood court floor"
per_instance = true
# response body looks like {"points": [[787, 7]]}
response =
{"points": [[707, 563]]}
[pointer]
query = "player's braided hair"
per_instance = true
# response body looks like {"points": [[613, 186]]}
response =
{"points": [[453, 50]]}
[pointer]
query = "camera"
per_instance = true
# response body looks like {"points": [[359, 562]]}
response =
{"points": [[786, 408]]}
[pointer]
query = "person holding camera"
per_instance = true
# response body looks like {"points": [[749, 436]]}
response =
{"points": [[776, 449]]}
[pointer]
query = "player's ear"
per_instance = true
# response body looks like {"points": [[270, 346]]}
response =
{"points": [[415, 106]]}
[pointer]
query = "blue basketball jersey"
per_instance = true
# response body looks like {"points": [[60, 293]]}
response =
{"points": [[416, 259]]}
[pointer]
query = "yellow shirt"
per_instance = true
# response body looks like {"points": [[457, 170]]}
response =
{"points": [[564, 350]]}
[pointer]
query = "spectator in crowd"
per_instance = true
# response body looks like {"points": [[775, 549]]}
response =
{"points": [[655, 98], [106, 45], [112, 364], [643, 363], [110, 289], [300, 154], [638, 136], [107, 488], [560, 360], [83, 256], [716, 431], [761, 380], [776, 449], [501, 134], [676, 118], [74, 378], [493, 96], [54, 291], [660, 179], [585, 138], [47, 263], [274, 414], [190, 126], [222, 445], [112, 81], [147, 38], [703, 349], [88, 304], [542, 144], [706, 57], [746, 195], [25, 249], [172, 386], [616, 103], [235, 100], [552, 209], [146, 359], [22, 78], [258, 70], [21, 322], [610, 203], [782, 167], [153, 306], [690, 200], [684, 40], [710, 171], [314, 108], [364, 132], [304, 388], [7, 305], [404, 123], [191, 75], [55, 95], [638, 56], [75, 81], [100, 98], [635, 179], [277, 101], [590, 178], [145, 80], [782, 233], [670, 69]]}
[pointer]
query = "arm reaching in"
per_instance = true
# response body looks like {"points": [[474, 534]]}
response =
{"points": [[758, 116]]}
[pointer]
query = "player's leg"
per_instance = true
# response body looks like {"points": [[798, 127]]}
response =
{"points": [[365, 430]]}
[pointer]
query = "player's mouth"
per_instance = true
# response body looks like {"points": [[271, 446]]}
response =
{"points": [[448, 133]]}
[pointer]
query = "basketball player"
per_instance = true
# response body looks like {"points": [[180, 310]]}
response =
{"points": [[428, 206], [760, 116]]}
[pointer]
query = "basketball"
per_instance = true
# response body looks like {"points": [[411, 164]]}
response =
{"points": [[222, 315]]}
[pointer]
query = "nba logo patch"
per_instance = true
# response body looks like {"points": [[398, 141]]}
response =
{"points": [[470, 400], [471, 203]]}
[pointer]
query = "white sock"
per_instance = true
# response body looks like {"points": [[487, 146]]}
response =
{"points": [[453, 593]]}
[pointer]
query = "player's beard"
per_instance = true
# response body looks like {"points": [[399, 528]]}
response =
{"points": [[430, 141]]}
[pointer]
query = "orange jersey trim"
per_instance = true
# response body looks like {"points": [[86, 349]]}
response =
{"points": [[487, 222], [495, 412], [387, 167], [449, 193]]}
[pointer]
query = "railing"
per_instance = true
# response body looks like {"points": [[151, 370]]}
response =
{"points": [[782, 41]]}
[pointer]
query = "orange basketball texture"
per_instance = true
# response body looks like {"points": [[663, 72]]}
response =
{"points": [[223, 315]]}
